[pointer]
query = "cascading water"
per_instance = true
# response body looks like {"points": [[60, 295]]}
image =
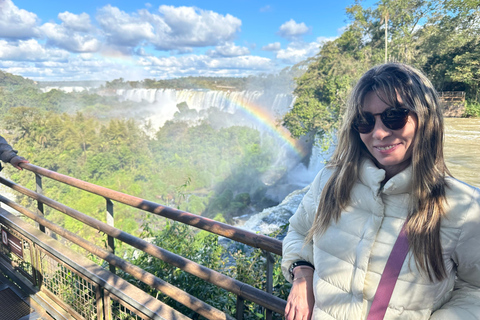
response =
{"points": [[271, 219], [254, 109], [163, 102]]}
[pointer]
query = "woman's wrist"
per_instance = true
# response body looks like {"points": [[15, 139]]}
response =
{"points": [[300, 264], [301, 272]]}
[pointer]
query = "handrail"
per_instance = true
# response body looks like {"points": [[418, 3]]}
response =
{"points": [[222, 229], [138, 273], [237, 287], [84, 269]]}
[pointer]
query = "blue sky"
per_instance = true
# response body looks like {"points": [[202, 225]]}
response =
{"points": [[105, 40]]}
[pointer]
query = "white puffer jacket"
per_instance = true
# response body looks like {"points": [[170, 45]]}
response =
{"points": [[350, 256]]}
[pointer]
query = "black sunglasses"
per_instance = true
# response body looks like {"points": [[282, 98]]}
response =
{"points": [[392, 118]]}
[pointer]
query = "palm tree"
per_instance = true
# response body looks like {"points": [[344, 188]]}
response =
{"points": [[385, 15]]}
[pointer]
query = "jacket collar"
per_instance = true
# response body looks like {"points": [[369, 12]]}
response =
{"points": [[372, 176]]}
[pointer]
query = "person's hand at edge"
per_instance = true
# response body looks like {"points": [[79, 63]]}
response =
{"points": [[15, 161], [301, 300]]}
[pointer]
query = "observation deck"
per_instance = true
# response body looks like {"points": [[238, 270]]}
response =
{"points": [[42, 278]]}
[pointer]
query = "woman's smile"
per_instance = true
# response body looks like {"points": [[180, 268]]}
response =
{"points": [[386, 148]]}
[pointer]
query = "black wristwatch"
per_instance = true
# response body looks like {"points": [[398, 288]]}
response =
{"points": [[299, 263]]}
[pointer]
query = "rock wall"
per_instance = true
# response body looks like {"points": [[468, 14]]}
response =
{"points": [[453, 109], [453, 103]]}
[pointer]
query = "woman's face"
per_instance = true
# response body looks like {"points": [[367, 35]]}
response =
{"points": [[391, 148]]}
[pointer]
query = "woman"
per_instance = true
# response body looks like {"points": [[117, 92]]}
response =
{"points": [[387, 171]]}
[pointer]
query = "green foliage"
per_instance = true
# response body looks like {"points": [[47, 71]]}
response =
{"points": [[439, 37], [472, 109], [10, 81], [187, 167], [238, 262]]}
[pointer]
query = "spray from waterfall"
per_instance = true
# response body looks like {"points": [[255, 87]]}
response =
{"points": [[256, 109]]}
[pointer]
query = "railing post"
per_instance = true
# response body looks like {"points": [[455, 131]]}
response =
{"points": [[99, 303], [269, 265], [107, 305], [240, 307], [110, 239], [38, 181]]}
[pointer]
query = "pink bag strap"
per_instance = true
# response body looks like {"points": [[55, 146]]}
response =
{"points": [[389, 277]]}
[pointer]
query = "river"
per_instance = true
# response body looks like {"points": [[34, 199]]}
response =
{"points": [[462, 149]]}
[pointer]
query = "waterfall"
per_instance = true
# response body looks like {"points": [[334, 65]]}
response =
{"points": [[288, 176], [164, 101]]}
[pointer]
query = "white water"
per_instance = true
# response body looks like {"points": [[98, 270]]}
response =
{"points": [[256, 109], [164, 101]]}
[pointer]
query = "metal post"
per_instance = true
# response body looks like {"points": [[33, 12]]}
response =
{"points": [[38, 180], [240, 307], [269, 265], [110, 239]]}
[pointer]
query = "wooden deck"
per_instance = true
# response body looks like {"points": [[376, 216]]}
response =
{"points": [[14, 303]]}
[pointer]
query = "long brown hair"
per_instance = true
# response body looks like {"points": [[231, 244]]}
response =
{"points": [[428, 185]]}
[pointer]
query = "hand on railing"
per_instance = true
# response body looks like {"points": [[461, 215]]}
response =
{"points": [[17, 160]]}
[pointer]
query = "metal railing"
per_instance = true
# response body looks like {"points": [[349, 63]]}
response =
{"points": [[243, 291], [66, 285]]}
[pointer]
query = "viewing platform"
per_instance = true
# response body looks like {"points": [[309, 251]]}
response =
{"points": [[41, 278], [14, 303]]}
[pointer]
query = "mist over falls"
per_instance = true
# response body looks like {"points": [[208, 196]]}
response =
{"points": [[294, 166], [163, 102]]}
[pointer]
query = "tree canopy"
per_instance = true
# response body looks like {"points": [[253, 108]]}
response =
{"points": [[442, 38]]}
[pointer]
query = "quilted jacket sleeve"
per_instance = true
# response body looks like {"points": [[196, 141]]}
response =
{"points": [[6, 151], [465, 301], [294, 246]]}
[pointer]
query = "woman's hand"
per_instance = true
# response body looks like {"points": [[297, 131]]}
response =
{"points": [[15, 161], [301, 300]]}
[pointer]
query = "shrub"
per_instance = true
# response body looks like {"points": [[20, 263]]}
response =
{"points": [[472, 109]]}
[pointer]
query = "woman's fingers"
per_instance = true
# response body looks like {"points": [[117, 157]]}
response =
{"points": [[300, 301]]}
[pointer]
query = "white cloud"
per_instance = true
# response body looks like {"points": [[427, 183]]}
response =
{"points": [[122, 29], [298, 51], [229, 50], [204, 64], [96, 67], [180, 27], [272, 47], [244, 62], [31, 71], [70, 49], [293, 31], [16, 23], [77, 22], [62, 37], [266, 8], [30, 50]]}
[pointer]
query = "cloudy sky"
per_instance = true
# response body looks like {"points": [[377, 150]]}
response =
{"points": [[108, 39]]}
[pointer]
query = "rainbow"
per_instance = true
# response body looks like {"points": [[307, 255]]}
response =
{"points": [[268, 121]]}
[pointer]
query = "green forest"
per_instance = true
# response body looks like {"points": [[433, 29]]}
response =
{"points": [[200, 169], [216, 172], [441, 38]]}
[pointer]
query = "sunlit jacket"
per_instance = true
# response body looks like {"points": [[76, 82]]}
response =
{"points": [[350, 256]]}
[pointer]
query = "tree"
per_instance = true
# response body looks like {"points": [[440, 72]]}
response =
{"points": [[439, 37]]}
